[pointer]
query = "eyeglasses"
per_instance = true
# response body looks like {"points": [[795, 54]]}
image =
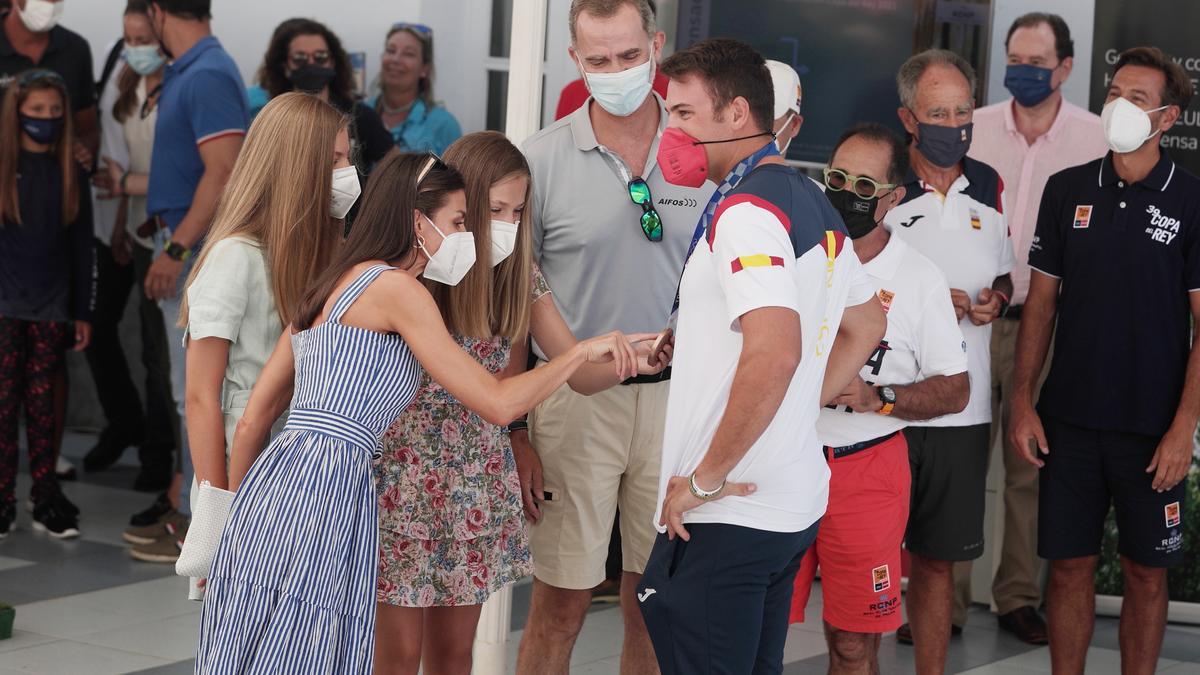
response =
{"points": [[301, 59], [419, 28], [432, 160], [639, 193], [838, 180], [40, 75]]}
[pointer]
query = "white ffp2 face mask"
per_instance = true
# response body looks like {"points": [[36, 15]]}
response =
{"points": [[40, 16], [621, 93], [346, 190], [1126, 126], [787, 120], [504, 240], [453, 259]]}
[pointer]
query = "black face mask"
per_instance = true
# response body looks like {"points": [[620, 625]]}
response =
{"points": [[858, 213], [311, 79]]}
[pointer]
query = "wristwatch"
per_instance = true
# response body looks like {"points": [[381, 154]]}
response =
{"points": [[177, 252], [888, 396]]}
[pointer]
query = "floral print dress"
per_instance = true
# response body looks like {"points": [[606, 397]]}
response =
{"points": [[451, 525]]}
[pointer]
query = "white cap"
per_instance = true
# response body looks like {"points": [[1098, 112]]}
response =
{"points": [[787, 87]]}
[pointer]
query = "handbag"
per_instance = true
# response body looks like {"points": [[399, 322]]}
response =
{"points": [[210, 511]]}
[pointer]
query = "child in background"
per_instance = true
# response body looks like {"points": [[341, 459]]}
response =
{"points": [[47, 289]]}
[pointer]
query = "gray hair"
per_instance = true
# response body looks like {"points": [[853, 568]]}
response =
{"points": [[917, 64], [606, 8]]}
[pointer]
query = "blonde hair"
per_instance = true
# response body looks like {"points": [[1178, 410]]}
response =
{"points": [[279, 194], [489, 301]]}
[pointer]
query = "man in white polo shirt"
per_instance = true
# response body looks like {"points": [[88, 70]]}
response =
{"points": [[918, 372], [743, 482], [610, 236], [953, 213], [1027, 139]]}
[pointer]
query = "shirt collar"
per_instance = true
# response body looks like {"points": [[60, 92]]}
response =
{"points": [[192, 55], [1158, 178], [887, 263], [1056, 127], [6, 48], [914, 182], [585, 136]]}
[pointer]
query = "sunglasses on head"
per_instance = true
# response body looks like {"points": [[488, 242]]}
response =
{"points": [[432, 161], [639, 193], [40, 75], [863, 186], [419, 28]]}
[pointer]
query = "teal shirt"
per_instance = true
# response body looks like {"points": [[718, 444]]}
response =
{"points": [[258, 99], [425, 129]]}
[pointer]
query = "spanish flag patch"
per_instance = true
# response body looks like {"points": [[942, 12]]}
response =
{"points": [[758, 260]]}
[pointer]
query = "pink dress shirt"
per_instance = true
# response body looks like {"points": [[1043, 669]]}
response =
{"points": [[1075, 138]]}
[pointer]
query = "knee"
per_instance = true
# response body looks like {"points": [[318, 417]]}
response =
{"points": [[850, 649], [933, 566], [1150, 581], [448, 656], [1072, 571], [559, 612]]}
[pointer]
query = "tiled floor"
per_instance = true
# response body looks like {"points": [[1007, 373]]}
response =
{"points": [[86, 607]]}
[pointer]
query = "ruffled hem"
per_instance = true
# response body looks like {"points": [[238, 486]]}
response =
{"points": [[250, 628]]}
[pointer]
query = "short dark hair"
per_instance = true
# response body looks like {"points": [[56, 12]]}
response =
{"points": [[1178, 90], [1064, 46], [604, 9], [272, 76], [196, 10], [876, 132], [729, 69]]}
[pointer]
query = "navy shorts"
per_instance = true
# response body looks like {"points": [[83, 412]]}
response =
{"points": [[1086, 472], [719, 604]]}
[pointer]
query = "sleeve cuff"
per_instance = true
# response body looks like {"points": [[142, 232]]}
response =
{"points": [[1036, 268], [198, 330]]}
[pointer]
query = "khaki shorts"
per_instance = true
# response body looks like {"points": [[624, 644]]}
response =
{"points": [[598, 452]]}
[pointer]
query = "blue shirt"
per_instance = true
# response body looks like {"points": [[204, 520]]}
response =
{"points": [[203, 98], [425, 129], [258, 98]]}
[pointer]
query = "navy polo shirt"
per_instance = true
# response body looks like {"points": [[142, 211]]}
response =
{"points": [[1128, 256], [68, 54], [203, 98]]}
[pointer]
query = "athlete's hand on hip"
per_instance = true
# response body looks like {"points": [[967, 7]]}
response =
{"points": [[680, 500], [1172, 458], [1026, 437]]}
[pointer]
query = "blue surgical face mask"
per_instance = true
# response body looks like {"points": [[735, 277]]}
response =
{"points": [[43, 131], [143, 59], [944, 146], [1030, 85]]}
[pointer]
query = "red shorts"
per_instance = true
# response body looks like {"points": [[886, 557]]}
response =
{"points": [[858, 543]]}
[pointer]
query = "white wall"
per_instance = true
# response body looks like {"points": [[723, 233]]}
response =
{"points": [[1080, 17]]}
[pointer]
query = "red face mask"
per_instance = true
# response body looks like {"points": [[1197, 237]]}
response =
{"points": [[682, 158]]}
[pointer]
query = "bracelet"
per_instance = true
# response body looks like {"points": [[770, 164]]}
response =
{"points": [[121, 183], [704, 495], [1004, 303], [516, 425]]}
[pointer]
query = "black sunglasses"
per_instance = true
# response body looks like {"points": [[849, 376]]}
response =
{"points": [[639, 193]]}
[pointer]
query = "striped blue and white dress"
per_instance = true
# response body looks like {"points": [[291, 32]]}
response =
{"points": [[292, 588]]}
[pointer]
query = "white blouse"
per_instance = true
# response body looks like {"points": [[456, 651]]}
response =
{"points": [[231, 298]]}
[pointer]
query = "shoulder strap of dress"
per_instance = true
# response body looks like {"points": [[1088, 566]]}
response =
{"points": [[354, 290]]}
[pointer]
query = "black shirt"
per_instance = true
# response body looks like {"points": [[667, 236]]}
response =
{"points": [[370, 138], [1128, 256], [47, 267], [68, 54]]}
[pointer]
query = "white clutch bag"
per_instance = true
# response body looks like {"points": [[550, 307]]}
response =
{"points": [[209, 513]]}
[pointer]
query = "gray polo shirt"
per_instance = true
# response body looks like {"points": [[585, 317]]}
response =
{"points": [[587, 237]]}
